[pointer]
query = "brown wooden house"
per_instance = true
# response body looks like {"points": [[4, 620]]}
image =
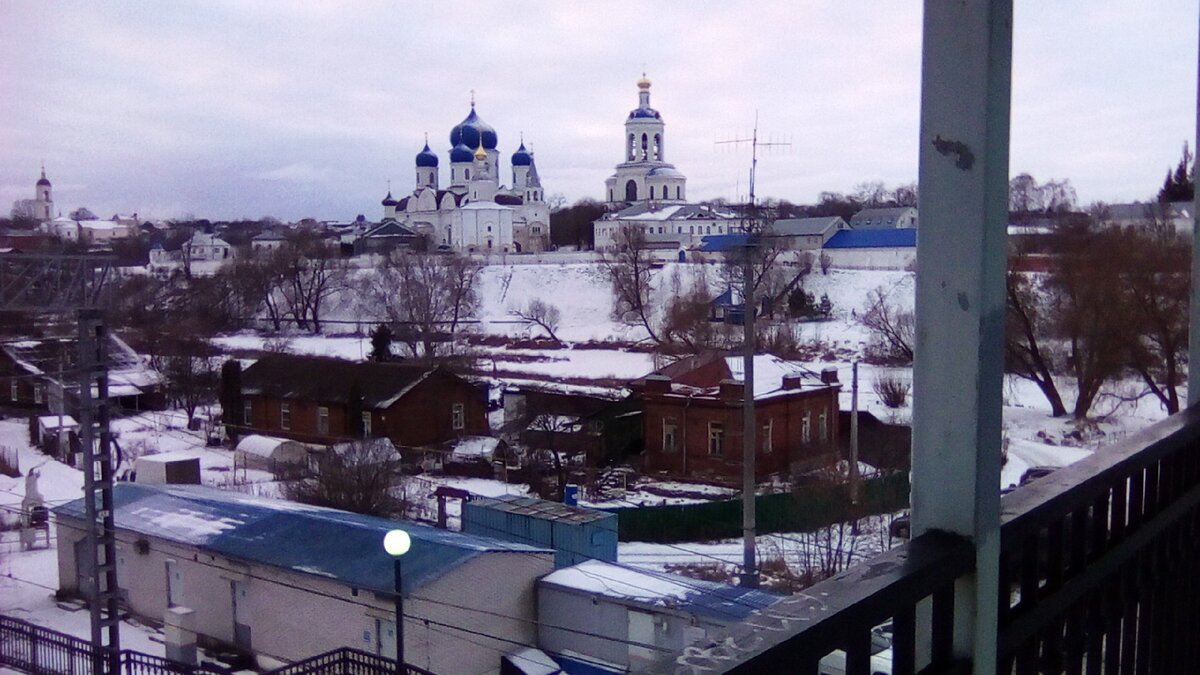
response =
{"points": [[693, 417], [324, 400]]}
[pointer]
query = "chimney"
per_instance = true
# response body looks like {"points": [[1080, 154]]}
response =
{"points": [[796, 380], [656, 384], [829, 375], [731, 390]]}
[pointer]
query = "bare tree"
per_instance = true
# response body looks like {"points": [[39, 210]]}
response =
{"points": [[357, 477], [1026, 325], [871, 194], [1156, 284], [892, 328], [191, 377], [630, 271], [424, 297], [686, 320], [313, 272], [542, 314]]}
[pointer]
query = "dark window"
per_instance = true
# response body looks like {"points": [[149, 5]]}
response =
{"points": [[631, 191]]}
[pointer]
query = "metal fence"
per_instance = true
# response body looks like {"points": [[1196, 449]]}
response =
{"points": [[42, 651]]}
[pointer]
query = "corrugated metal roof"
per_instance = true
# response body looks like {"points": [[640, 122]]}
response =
{"points": [[328, 543], [542, 509], [721, 602], [324, 379], [800, 227], [893, 238]]}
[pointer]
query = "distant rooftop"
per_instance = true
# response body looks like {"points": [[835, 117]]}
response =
{"points": [[904, 237], [542, 509]]}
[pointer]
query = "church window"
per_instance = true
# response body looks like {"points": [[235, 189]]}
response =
{"points": [[466, 174], [610, 195], [629, 148], [658, 154], [631, 191], [489, 228], [678, 192], [645, 146], [489, 243], [708, 230], [691, 229]]}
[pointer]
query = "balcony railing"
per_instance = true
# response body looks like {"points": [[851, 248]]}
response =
{"points": [[1100, 573]]}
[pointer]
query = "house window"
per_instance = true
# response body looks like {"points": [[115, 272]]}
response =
{"points": [[458, 417], [366, 424], [823, 427], [766, 437], [322, 420], [670, 434], [285, 416], [716, 438], [806, 428], [39, 394], [13, 390], [247, 412]]}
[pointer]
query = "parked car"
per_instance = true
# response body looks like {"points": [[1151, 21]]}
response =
{"points": [[1035, 472]]}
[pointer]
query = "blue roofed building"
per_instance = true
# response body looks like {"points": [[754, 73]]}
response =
{"points": [[290, 581], [876, 249], [598, 614]]}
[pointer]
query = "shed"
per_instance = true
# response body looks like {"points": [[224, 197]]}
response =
{"points": [[289, 581], [627, 616], [575, 533], [173, 468], [268, 452]]}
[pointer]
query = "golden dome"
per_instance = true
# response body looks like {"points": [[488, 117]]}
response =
{"points": [[480, 153], [643, 83]]}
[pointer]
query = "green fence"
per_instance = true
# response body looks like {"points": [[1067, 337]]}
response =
{"points": [[806, 508]]}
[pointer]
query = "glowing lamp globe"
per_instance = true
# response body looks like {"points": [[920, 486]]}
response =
{"points": [[396, 542]]}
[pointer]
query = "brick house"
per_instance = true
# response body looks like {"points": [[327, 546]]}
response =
{"points": [[693, 417], [312, 399]]}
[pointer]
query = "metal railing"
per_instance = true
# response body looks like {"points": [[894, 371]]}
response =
{"points": [[1100, 573], [42, 651], [1100, 561]]}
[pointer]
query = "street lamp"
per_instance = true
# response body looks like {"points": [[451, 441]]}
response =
{"points": [[397, 543]]}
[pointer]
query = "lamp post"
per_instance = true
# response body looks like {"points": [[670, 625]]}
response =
{"points": [[397, 543]]}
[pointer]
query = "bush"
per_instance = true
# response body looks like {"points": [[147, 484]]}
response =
{"points": [[892, 390]]}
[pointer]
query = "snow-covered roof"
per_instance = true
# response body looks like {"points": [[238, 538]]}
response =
{"points": [[49, 422], [486, 205], [474, 447], [168, 457], [263, 446], [769, 371], [313, 540], [628, 584]]}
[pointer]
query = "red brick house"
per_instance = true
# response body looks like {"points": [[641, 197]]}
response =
{"points": [[693, 417], [311, 399]]}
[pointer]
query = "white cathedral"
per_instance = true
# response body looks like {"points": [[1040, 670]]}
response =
{"points": [[648, 195], [474, 213]]}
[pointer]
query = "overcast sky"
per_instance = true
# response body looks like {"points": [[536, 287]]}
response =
{"points": [[246, 109]]}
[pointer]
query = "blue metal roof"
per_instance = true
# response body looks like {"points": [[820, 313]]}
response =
{"points": [[721, 243], [323, 542], [893, 238], [650, 113]]}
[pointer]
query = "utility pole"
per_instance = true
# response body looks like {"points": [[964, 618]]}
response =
{"points": [[749, 576], [854, 446], [61, 284]]}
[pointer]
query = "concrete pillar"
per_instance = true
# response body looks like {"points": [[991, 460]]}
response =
{"points": [[179, 634], [960, 305]]}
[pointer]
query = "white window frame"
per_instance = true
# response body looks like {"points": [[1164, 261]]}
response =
{"points": [[366, 424], [823, 427], [247, 413], [14, 389], [39, 394], [670, 432], [767, 441], [716, 439], [323, 419], [285, 416], [806, 428], [458, 417]]}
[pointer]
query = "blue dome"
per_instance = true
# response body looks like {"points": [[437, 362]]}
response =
{"points": [[388, 201], [469, 131], [426, 158], [650, 113], [461, 153], [522, 157]]}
